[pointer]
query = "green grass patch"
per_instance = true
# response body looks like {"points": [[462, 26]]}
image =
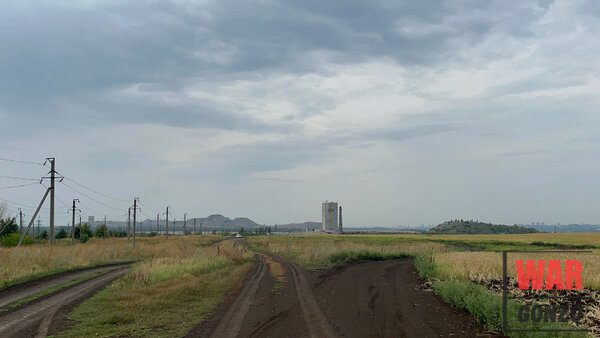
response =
{"points": [[486, 307], [278, 286], [345, 257], [173, 271], [55, 288]]}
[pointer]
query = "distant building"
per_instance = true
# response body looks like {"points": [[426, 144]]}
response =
{"points": [[90, 220], [329, 217]]}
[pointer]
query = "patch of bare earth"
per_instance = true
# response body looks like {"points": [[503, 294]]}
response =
{"points": [[369, 299]]}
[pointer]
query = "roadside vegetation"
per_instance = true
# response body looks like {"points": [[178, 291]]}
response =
{"points": [[165, 295], [33, 261], [315, 252]]}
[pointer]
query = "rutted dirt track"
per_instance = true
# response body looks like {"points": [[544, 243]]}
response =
{"points": [[44, 315], [370, 299]]}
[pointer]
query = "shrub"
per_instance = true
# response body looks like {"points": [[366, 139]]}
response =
{"points": [[13, 240], [61, 234], [8, 226]]}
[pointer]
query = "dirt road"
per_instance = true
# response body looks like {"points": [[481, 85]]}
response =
{"points": [[42, 315], [370, 299]]}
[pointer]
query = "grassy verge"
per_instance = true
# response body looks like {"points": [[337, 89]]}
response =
{"points": [[164, 296], [485, 305], [35, 261], [56, 288]]}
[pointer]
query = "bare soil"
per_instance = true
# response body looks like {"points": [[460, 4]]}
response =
{"points": [[369, 299], [46, 315]]}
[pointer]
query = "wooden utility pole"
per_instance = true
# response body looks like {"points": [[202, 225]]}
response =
{"points": [[80, 230]]}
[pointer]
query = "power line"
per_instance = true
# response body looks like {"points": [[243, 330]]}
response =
{"points": [[19, 161], [151, 209], [79, 192], [20, 178], [19, 204], [97, 192], [88, 208], [18, 186]]}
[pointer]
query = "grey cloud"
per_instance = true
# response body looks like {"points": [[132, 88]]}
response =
{"points": [[70, 52]]}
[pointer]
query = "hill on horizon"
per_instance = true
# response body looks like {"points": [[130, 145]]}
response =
{"points": [[476, 227]]}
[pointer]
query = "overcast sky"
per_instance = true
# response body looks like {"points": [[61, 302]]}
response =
{"points": [[405, 112]]}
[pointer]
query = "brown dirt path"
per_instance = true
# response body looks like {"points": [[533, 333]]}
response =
{"points": [[24, 290], [369, 299], [383, 299], [44, 316]]}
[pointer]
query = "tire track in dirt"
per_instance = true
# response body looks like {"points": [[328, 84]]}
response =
{"points": [[367, 299], [231, 323], [274, 300], [315, 319], [27, 289], [39, 317]]}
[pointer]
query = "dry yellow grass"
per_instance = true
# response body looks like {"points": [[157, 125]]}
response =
{"points": [[561, 238], [316, 251], [165, 295], [19, 263], [479, 266]]}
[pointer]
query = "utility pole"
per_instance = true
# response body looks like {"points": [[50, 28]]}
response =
{"points": [[33, 217], [128, 223], [167, 225], [134, 214], [157, 223], [73, 224], [20, 221], [184, 223], [52, 177], [80, 230]]}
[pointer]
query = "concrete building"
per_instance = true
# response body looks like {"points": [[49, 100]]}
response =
{"points": [[329, 217]]}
